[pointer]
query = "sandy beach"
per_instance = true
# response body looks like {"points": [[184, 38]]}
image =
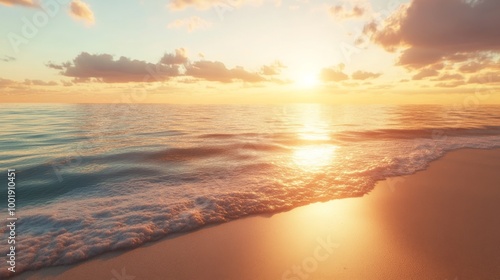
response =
{"points": [[441, 223]]}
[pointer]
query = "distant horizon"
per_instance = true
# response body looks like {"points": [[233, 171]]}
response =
{"points": [[463, 105]]}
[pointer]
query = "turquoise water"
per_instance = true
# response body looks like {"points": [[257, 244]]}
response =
{"points": [[93, 178]]}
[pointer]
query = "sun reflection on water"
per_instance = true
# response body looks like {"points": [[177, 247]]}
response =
{"points": [[315, 152], [314, 158]]}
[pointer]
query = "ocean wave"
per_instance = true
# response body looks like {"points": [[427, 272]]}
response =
{"points": [[87, 195]]}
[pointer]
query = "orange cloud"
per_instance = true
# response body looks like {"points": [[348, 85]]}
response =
{"points": [[26, 3], [342, 12], [217, 71], [448, 77], [11, 84], [29, 82], [450, 84], [485, 78], [4, 83], [272, 69], [81, 11], [362, 75], [333, 75]]}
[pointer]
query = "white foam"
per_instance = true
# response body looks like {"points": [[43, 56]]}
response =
{"points": [[83, 224]]}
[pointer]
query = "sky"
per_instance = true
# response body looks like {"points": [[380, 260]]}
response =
{"points": [[250, 51]]}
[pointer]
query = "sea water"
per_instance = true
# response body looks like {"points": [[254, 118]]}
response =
{"points": [[95, 178]]}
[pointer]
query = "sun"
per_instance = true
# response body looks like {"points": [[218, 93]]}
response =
{"points": [[308, 80]]}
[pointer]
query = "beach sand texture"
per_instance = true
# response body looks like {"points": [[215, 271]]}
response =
{"points": [[441, 223]]}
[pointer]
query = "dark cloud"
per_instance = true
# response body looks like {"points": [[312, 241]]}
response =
{"points": [[105, 68], [180, 57], [471, 67], [425, 73], [61, 66], [430, 31]]}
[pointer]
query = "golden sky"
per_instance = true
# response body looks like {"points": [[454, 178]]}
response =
{"points": [[250, 51]]}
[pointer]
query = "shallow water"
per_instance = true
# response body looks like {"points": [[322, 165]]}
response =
{"points": [[93, 178]]}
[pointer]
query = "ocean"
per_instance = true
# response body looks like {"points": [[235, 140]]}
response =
{"points": [[96, 178]]}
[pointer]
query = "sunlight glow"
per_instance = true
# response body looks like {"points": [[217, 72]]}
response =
{"points": [[308, 80], [314, 158]]}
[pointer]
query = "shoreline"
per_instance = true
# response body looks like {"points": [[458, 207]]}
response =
{"points": [[376, 236]]}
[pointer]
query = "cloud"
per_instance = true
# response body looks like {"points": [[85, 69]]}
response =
{"points": [[66, 83], [485, 78], [342, 12], [104, 68], [81, 11], [192, 23], [7, 58], [58, 66], [425, 73], [6, 83], [450, 84], [448, 77], [272, 69], [480, 63], [217, 71], [471, 67], [362, 75], [11, 84], [180, 57], [333, 75], [430, 31], [29, 82], [26, 3]]}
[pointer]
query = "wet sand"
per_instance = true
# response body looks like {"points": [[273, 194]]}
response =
{"points": [[441, 223]]}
